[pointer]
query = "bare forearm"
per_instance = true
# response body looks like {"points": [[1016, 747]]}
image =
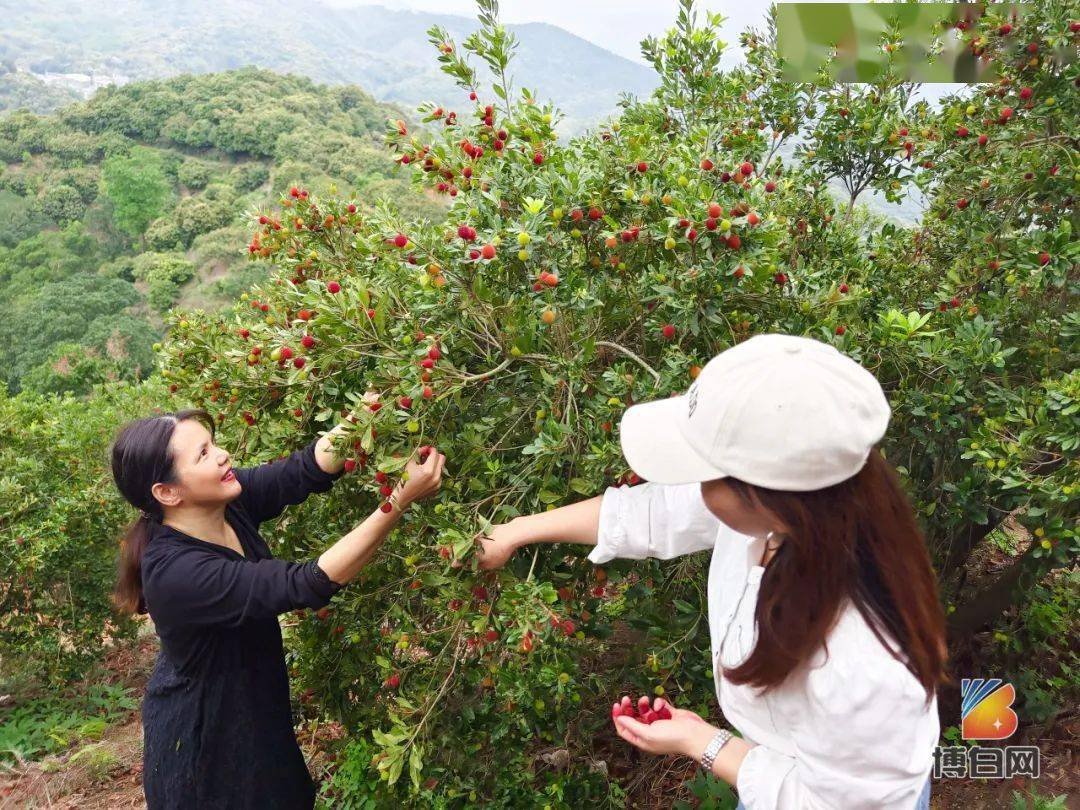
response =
{"points": [[577, 523], [343, 560]]}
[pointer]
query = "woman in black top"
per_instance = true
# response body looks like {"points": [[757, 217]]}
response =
{"points": [[218, 728]]}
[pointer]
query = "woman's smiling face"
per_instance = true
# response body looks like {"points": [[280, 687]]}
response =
{"points": [[203, 469]]}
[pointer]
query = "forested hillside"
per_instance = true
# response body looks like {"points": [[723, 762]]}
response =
{"points": [[115, 209]]}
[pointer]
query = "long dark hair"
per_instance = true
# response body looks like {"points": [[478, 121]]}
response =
{"points": [[141, 458], [856, 540]]}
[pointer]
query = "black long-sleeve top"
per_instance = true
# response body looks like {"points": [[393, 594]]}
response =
{"points": [[217, 725]]}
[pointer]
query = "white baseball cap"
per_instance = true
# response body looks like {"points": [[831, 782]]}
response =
{"points": [[777, 411]]}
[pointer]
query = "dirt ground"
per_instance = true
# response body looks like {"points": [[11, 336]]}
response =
{"points": [[107, 774]]}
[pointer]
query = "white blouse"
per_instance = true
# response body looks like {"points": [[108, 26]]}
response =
{"points": [[852, 730]]}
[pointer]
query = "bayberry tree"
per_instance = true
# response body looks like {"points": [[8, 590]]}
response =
{"points": [[569, 281]]}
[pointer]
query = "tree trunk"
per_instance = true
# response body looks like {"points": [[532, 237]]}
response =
{"points": [[961, 543], [991, 601]]}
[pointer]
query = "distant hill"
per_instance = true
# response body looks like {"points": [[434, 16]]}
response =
{"points": [[115, 209], [385, 51]]}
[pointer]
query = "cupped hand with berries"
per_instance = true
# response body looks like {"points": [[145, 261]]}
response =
{"points": [[661, 728]]}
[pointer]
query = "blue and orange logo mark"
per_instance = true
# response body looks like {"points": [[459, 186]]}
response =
{"points": [[986, 709]]}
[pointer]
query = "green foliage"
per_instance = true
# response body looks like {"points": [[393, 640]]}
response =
{"points": [[48, 725], [62, 204], [60, 520], [195, 174], [137, 188], [165, 274]]}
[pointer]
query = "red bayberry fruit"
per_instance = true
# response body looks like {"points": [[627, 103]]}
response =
{"points": [[840, 330], [734, 242], [488, 251], [405, 402], [323, 613], [643, 167], [962, 132], [380, 477], [393, 681], [434, 353], [710, 223], [299, 362], [747, 168], [401, 240], [491, 635], [594, 213], [983, 139], [351, 209], [333, 287], [428, 393], [706, 165], [386, 507], [843, 288], [668, 331], [538, 158], [350, 465], [307, 341], [1044, 258]]}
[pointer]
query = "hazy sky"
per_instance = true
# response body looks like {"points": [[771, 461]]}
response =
{"points": [[619, 25]]}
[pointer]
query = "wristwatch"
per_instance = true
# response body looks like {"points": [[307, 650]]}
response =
{"points": [[713, 748]]}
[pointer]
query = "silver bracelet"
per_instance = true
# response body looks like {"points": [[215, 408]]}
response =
{"points": [[713, 748]]}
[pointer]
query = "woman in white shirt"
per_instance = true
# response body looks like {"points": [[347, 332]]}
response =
{"points": [[827, 633]]}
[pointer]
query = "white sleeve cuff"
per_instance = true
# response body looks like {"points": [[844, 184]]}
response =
{"points": [[761, 776], [611, 534]]}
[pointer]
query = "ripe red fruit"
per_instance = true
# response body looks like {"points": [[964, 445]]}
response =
{"points": [[286, 352], [568, 628], [428, 393], [954, 302], [1006, 113], [1005, 30], [307, 341], [371, 313], [840, 330], [740, 271], [706, 165], [668, 331], [386, 490], [576, 215], [488, 251], [425, 451], [710, 223], [1033, 47], [480, 592], [734, 242], [427, 362], [715, 210], [664, 713], [304, 315], [491, 635], [256, 350], [323, 613], [351, 209], [691, 235], [538, 158], [962, 132], [299, 362], [244, 333], [405, 402], [1025, 93], [263, 220], [1044, 258], [983, 139], [401, 240], [380, 477], [333, 287], [249, 418], [747, 168], [466, 232], [903, 132], [594, 213], [386, 507], [393, 681], [770, 187], [753, 219], [472, 96], [434, 353], [780, 279], [962, 203], [294, 192], [843, 288], [350, 465]]}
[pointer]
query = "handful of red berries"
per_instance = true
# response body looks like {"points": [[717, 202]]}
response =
{"points": [[645, 713]]}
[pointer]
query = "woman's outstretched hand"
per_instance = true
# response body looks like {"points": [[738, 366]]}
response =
{"points": [[498, 546], [425, 476], [661, 728]]}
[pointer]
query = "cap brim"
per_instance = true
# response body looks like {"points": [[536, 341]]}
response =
{"points": [[655, 447]]}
